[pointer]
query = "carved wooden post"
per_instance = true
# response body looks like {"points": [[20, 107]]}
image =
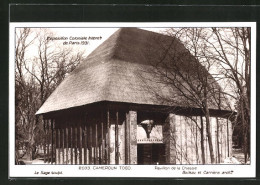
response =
{"points": [[127, 139], [131, 137], [169, 139]]}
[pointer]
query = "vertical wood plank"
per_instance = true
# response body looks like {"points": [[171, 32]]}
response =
{"points": [[221, 141], [102, 139], [58, 155], [56, 143], [112, 143], [121, 141], [60, 145], [96, 143], [71, 144], [196, 142], [45, 140], [80, 142], [228, 154], [217, 139], [63, 143], [51, 121], [223, 138], [108, 137], [90, 145], [48, 153], [116, 140], [54, 138], [63, 146], [181, 138], [76, 143], [67, 142], [85, 144], [230, 138], [177, 140], [192, 138], [185, 141]]}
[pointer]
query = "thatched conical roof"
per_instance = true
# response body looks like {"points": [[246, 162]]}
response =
{"points": [[117, 71]]}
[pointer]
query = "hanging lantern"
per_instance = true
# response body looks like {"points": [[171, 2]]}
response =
{"points": [[148, 126]]}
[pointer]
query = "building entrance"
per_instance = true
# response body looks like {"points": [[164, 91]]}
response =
{"points": [[151, 154]]}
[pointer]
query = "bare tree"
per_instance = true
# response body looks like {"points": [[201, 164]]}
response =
{"points": [[41, 65], [192, 72], [51, 64], [211, 54], [232, 48], [23, 91]]}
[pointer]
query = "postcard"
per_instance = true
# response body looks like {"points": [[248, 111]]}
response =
{"points": [[175, 100]]}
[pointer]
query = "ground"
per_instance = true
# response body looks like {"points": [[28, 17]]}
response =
{"points": [[237, 153]]}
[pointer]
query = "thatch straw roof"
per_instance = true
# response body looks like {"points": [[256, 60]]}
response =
{"points": [[119, 70]]}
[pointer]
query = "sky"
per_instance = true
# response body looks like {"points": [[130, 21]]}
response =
{"points": [[103, 33]]}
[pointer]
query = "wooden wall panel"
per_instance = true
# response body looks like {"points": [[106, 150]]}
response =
{"points": [[178, 139], [133, 137], [188, 140], [113, 140], [169, 133]]}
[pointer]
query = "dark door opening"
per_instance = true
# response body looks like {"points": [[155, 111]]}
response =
{"points": [[151, 154]]}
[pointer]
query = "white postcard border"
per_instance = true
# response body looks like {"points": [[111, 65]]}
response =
{"points": [[172, 171]]}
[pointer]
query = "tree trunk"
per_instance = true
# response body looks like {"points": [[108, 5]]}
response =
{"points": [[218, 141], [212, 158], [29, 153], [202, 141], [245, 147], [211, 152]]}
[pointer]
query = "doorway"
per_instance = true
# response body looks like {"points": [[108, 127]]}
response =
{"points": [[151, 154]]}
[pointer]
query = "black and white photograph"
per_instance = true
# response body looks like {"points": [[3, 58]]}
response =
{"points": [[132, 99]]}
